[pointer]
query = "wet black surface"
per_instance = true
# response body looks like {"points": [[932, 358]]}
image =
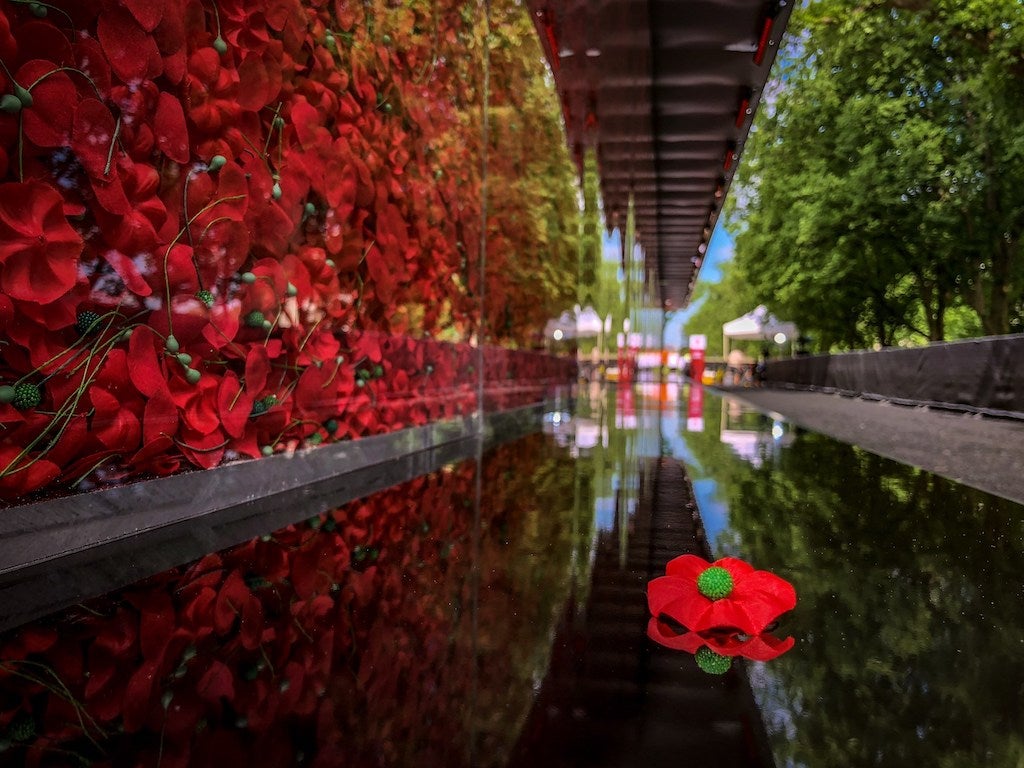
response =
{"points": [[495, 615], [910, 624]]}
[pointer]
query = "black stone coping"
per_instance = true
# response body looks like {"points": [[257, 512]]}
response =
{"points": [[58, 552], [973, 375]]}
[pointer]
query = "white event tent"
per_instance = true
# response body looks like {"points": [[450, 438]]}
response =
{"points": [[758, 325]]}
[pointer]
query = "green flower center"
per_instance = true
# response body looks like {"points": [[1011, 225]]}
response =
{"points": [[711, 662], [715, 583]]}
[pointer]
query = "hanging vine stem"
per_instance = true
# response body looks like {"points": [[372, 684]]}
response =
{"points": [[65, 412], [24, 96], [195, 259], [58, 356], [211, 449], [270, 133], [61, 690], [177, 237], [107, 456], [113, 142], [339, 360], [61, 420]]}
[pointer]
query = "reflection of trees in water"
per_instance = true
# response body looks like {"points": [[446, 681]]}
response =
{"points": [[910, 619]]}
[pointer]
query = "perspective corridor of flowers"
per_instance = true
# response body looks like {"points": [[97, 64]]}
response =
{"points": [[346, 639], [718, 611], [230, 228]]}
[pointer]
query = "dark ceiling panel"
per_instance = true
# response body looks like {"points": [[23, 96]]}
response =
{"points": [[665, 91]]}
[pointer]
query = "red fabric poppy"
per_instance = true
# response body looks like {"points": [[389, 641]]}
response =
{"points": [[756, 599], [39, 250], [762, 647]]}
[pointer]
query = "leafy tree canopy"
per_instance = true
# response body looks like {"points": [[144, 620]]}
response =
{"points": [[879, 196]]}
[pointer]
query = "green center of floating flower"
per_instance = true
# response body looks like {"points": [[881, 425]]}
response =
{"points": [[715, 583], [711, 662]]}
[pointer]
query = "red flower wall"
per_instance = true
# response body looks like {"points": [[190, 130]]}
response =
{"points": [[230, 228]]}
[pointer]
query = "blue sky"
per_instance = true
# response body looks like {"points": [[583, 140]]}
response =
{"points": [[720, 249]]}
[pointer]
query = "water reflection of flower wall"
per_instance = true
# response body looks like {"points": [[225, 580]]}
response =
{"points": [[219, 216], [346, 638], [718, 610]]}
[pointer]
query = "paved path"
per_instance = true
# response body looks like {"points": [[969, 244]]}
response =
{"points": [[979, 451]]}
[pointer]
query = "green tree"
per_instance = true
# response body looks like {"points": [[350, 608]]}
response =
{"points": [[879, 181], [719, 303]]}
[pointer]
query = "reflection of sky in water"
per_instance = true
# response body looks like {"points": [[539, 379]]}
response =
{"points": [[604, 513], [713, 512]]}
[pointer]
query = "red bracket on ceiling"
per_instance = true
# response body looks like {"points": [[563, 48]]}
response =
{"points": [[767, 24], [743, 111], [730, 156], [548, 22]]}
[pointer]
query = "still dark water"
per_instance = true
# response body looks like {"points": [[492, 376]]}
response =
{"points": [[454, 619]]}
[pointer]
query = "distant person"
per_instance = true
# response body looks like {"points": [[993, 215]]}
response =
{"points": [[760, 371], [735, 363]]}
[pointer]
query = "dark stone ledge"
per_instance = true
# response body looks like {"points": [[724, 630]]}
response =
{"points": [[58, 552]]}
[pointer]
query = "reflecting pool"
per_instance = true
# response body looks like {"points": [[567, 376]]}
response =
{"points": [[492, 613], [910, 625]]}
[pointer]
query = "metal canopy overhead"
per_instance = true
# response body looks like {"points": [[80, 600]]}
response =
{"points": [[665, 91]]}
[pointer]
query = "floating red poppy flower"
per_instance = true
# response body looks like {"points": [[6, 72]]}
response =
{"points": [[726, 594]]}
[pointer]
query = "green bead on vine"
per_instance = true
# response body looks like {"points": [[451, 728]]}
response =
{"points": [[86, 322], [26, 396], [22, 728], [10, 104], [711, 662], [255, 319]]}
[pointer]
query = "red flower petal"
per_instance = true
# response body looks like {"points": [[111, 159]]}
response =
{"points": [[232, 595], [156, 624], [48, 122], [147, 12], [128, 272], [126, 44], [678, 597], [257, 368], [113, 425], [145, 370], [216, 682], [764, 597], [763, 647], [687, 567], [234, 405], [660, 633], [92, 137], [28, 477], [139, 696], [171, 131], [736, 568]]}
